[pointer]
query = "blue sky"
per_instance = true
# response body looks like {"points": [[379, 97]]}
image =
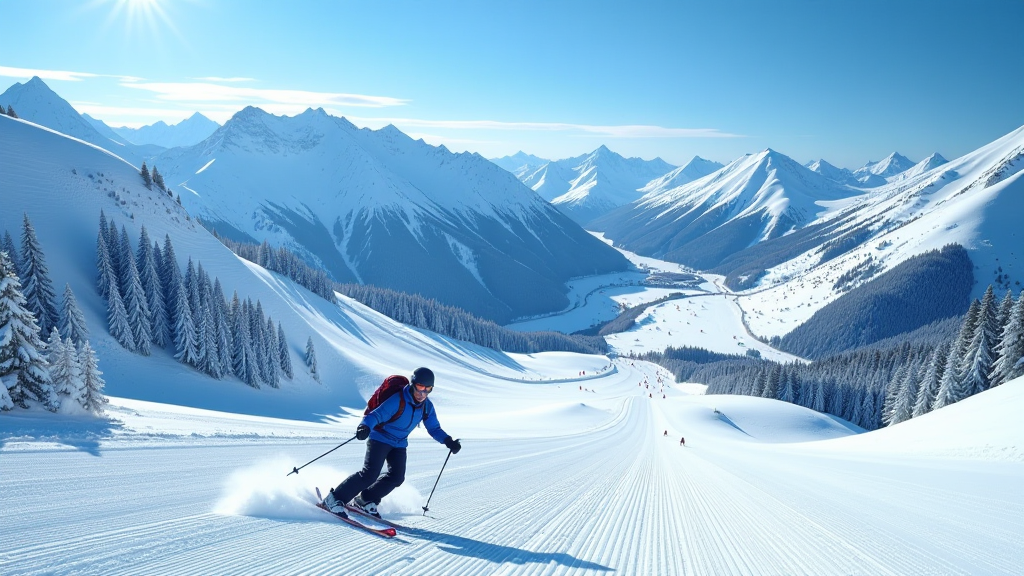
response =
{"points": [[845, 81]]}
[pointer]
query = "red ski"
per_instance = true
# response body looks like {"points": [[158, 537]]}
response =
{"points": [[382, 532], [361, 512]]}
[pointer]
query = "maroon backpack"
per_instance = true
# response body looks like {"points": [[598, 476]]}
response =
{"points": [[392, 385]]}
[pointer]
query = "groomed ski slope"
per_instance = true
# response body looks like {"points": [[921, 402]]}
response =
{"points": [[558, 480]]}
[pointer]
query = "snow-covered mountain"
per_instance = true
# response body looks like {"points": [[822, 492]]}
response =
{"points": [[188, 132], [377, 207], [875, 174], [929, 163], [588, 186], [753, 199], [975, 201], [695, 169], [520, 164], [36, 102], [839, 175]]}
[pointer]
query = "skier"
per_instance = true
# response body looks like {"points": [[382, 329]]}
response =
{"points": [[666, 433], [682, 442], [388, 428]]}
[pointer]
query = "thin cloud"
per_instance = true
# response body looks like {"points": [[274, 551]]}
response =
{"points": [[622, 131], [211, 92], [12, 72], [219, 79]]}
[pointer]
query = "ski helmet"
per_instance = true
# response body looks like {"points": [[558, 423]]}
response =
{"points": [[423, 376]]}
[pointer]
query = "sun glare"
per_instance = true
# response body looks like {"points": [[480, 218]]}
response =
{"points": [[140, 16]]}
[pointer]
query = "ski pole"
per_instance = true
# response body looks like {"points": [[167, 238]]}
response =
{"points": [[296, 470], [427, 505]]}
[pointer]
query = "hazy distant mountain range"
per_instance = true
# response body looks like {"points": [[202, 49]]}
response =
{"points": [[192, 130]]}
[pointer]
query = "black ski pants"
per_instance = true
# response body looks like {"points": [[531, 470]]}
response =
{"points": [[366, 480]]}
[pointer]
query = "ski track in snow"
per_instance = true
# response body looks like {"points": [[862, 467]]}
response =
{"points": [[618, 498]]}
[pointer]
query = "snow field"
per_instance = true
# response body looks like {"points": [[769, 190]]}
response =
{"points": [[762, 487]]}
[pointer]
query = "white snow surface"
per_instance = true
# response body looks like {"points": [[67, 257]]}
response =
{"points": [[581, 477]]}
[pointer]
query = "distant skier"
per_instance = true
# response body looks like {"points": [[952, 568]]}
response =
{"points": [[666, 433], [682, 442], [388, 427]]}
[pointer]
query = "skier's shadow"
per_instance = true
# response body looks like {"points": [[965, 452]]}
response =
{"points": [[499, 554]]}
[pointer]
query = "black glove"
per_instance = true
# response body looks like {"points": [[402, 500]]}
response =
{"points": [[362, 432], [453, 445]]}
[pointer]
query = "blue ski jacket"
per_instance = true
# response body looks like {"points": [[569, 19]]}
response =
{"points": [[397, 433]]}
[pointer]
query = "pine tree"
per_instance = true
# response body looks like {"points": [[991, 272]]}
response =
{"points": [[950, 389], [819, 397], [787, 392], [285, 357], [10, 111], [931, 380], [117, 319], [242, 356], [221, 315], [65, 371], [158, 179], [270, 354], [903, 408], [104, 267], [71, 321], [135, 299], [977, 366], [185, 345], [12, 250], [146, 178], [311, 360], [21, 349], [170, 278], [92, 380], [1010, 349], [149, 277], [37, 288]]}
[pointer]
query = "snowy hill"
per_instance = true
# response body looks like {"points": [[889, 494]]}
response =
{"points": [[192, 130], [36, 102], [591, 185], [377, 207], [520, 164], [753, 199]]}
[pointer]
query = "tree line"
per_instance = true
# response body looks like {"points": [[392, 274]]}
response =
{"points": [[413, 309], [61, 373], [151, 303], [881, 385]]}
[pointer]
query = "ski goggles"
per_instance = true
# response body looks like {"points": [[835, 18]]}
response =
{"points": [[417, 387]]}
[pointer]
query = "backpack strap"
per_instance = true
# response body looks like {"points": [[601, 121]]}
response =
{"points": [[398, 413]]}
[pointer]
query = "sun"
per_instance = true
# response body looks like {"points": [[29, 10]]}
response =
{"points": [[138, 16]]}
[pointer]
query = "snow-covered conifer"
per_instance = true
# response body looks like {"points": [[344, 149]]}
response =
{"points": [[820, 400], [104, 266], [170, 277], [71, 321], [135, 299], [92, 380], [158, 179], [931, 380], [242, 356], [12, 250], [269, 355], [185, 345], [6, 403], [36, 286], [311, 360], [146, 178], [1010, 349], [220, 316], [977, 366], [906, 395], [21, 348], [149, 277], [285, 357], [66, 371], [10, 111], [117, 319]]}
